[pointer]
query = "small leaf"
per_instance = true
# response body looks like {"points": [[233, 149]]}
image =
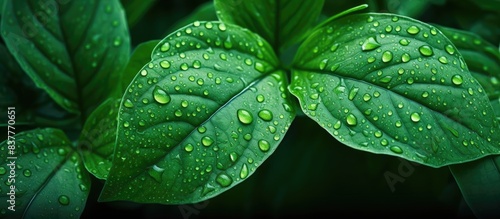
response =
{"points": [[479, 182], [391, 86], [141, 55], [199, 118], [69, 48], [44, 176], [98, 138], [281, 23]]}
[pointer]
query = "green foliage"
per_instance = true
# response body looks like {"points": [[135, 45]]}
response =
{"points": [[184, 118], [217, 108], [58, 52], [47, 175]]}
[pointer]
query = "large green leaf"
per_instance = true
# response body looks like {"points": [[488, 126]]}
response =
{"points": [[98, 136], [69, 48], [281, 22], [199, 118], [392, 85], [43, 175]]}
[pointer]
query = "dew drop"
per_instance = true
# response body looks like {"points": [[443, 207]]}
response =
{"points": [[322, 64], [415, 117], [351, 120], [128, 103], [228, 44], [223, 180], [207, 141], [425, 51], [188, 148], [457, 80], [222, 27], [337, 125], [27, 173], [259, 67], [405, 57], [63, 200], [334, 47], [443, 60], [165, 64], [367, 97], [260, 98], [386, 79], [2, 170], [233, 156], [244, 171], [396, 149], [202, 129], [266, 115], [404, 42], [184, 66], [244, 116], [353, 93], [264, 145], [370, 44], [386, 56], [165, 47], [160, 95], [449, 49], [413, 30]]}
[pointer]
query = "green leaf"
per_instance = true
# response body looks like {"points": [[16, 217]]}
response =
{"points": [[199, 118], [45, 173], [69, 48], [479, 182], [482, 58], [98, 138], [389, 84], [136, 9], [33, 106], [141, 55], [281, 22]]}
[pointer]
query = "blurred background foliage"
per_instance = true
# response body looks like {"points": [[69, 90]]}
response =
{"points": [[310, 172]]}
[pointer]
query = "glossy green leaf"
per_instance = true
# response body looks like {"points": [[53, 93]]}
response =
{"points": [[395, 86], [141, 55], [482, 58], [136, 9], [33, 106], [98, 136], [69, 48], [479, 182], [200, 117], [281, 23], [44, 176]]}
